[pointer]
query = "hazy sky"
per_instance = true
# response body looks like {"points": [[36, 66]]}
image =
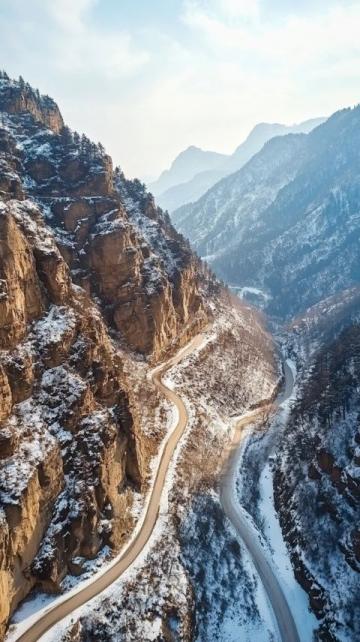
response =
{"points": [[150, 77]]}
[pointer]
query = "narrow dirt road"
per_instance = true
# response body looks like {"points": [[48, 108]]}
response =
{"points": [[246, 530], [53, 614]]}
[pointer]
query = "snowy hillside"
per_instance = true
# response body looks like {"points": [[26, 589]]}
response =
{"points": [[317, 485], [192, 173], [288, 222]]}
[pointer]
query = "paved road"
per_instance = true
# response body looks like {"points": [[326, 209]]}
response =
{"points": [[248, 533], [54, 614]]}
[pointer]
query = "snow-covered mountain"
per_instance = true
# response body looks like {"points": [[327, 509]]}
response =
{"points": [[92, 275], [259, 135], [316, 478], [204, 169], [288, 222], [96, 286]]}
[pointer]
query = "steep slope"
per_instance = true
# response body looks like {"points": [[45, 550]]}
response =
{"points": [[285, 222], [94, 282], [193, 583], [118, 245], [223, 216], [317, 485], [260, 135], [200, 181]]}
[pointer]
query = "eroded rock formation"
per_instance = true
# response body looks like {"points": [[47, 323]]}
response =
{"points": [[93, 281]]}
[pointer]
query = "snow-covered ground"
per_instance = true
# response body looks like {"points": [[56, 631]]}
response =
{"points": [[297, 598], [262, 514], [225, 582], [161, 580], [38, 604]]}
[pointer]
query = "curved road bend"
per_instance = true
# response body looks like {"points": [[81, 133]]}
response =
{"points": [[54, 614], [247, 532]]}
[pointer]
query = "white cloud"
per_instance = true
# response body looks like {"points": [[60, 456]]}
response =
{"points": [[243, 9], [62, 33], [228, 10], [228, 65], [93, 53], [69, 14], [82, 47], [233, 74], [316, 39]]}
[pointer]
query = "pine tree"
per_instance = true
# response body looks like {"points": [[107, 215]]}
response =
{"points": [[66, 136]]}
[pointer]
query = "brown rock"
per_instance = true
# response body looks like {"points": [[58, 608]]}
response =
{"points": [[325, 461], [20, 372], [21, 298], [17, 100], [54, 273], [41, 169], [8, 442], [21, 533], [5, 395]]}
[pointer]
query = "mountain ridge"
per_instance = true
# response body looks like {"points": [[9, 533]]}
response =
{"points": [[182, 192], [95, 284], [282, 223]]}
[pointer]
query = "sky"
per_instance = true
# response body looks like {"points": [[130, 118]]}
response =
{"points": [[148, 78]]}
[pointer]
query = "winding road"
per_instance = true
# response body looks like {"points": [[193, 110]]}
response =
{"points": [[245, 529], [69, 603]]}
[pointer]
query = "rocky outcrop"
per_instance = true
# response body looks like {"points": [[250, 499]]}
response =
{"points": [[91, 275], [21, 298], [19, 97], [5, 395], [118, 245], [71, 448]]}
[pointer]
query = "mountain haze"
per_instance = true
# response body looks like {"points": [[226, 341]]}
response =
{"points": [[207, 168], [288, 222], [186, 165]]}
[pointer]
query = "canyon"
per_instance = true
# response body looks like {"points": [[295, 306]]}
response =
{"points": [[160, 478]]}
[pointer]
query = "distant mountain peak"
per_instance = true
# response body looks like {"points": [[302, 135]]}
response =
{"points": [[286, 223], [195, 170], [187, 164], [191, 148]]}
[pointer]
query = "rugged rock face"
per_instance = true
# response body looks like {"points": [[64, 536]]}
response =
{"points": [[19, 97], [93, 280], [68, 441], [118, 245], [195, 582], [287, 222], [317, 487]]}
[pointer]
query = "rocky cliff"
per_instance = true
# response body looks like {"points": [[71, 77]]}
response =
{"points": [[94, 283]]}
